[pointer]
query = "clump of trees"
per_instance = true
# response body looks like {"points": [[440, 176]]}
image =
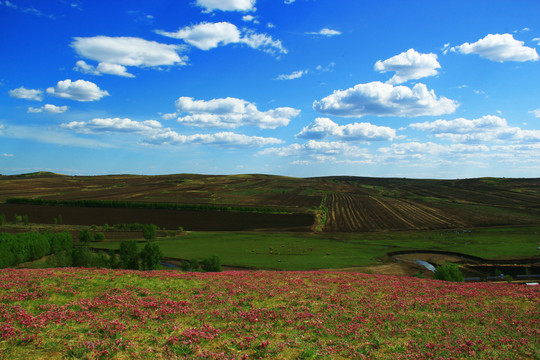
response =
{"points": [[448, 272], [19, 248]]}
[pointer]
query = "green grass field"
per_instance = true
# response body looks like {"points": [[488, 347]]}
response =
{"points": [[310, 251]]}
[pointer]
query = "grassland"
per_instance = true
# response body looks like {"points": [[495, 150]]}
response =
{"points": [[114, 314], [310, 251]]}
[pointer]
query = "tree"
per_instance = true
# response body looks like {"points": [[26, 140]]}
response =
{"points": [[86, 236], [113, 259], [151, 256], [149, 231], [99, 236], [212, 264], [129, 256], [448, 272], [2, 219], [81, 256]]}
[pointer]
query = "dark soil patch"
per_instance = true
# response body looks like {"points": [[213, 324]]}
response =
{"points": [[169, 219]]}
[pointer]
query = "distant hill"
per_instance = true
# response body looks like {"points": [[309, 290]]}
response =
{"points": [[340, 203]]}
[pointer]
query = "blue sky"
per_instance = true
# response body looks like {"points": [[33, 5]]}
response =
{"points": [[417, 89]]}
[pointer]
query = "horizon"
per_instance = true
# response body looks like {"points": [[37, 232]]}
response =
{"points": [[296, 88]]}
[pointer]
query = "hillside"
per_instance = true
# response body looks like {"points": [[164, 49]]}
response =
{"points": [[333, 204], [120, 314]]}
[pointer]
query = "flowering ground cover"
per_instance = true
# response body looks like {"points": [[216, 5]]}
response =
{"points": [[102, 314]]}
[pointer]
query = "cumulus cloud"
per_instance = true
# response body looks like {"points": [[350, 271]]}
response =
{"points": [[409, 65], [485, 129], [125, 125], [325, 32], [227, 5], [499, 47], [115, 53], [48, 108], [222, 139], [206, 36], [102, 68], [248, 18], [79, 90], [231, 113], [293, 75], [536, 113], [27, 94], [321, 128], [420, 150], [320, 151], [377, 98]]}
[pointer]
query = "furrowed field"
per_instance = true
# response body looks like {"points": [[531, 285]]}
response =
{"points": [[89, 313]]}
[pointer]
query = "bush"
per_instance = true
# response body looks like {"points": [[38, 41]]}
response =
{"points": [[212, 264], [99, 236], [86, 236], [448, 272], [17, 218], [2, 219], [81, 257], [113, 260], [129, 255], [149, 231], [151, 256]]}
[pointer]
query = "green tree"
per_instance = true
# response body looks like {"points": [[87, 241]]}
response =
{"points": [[2, 219], [86, 236], [99, 236], [25, 219], [151, 256], [149, 231], [129, 255], [17, 218], [448, 272], [212, 264], [81, 257], [113, 260]]}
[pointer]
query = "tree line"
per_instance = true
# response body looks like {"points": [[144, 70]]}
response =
{"points": [[19, 248], [138, 205]]}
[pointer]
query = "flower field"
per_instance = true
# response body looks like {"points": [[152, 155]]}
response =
{"points": [[102, 314]]}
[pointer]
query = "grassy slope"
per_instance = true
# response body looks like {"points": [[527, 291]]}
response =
{"points": [[102, 314], [297, 251]]}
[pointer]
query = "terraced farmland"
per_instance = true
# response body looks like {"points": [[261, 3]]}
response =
{"points": [[352, 212]]}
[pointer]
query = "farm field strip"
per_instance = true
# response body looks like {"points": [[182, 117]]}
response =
{"points": [[88, 313]]}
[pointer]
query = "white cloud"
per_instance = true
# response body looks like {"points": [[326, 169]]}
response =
{"points": [[227, 5], [288, 2], [27, 94], [148, 127], [48, 108], [535, 112], [127, 51], [377, 98], [206, 36], [420, 150], [499, 47], [231, 113], [325, 32], [409, 65], [102, 68], [7, 155], [79, 90], [319, 151], [248, 18], [222, 139], [485, 129], [293, 75], [324, 127]]}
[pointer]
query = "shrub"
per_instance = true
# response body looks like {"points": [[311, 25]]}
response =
{"points": [[149, 231], [2, 219], [194, 264], [129, 256], [113, 260], [17, 218], [151, 256], [448, 272], [86, 236], [81, 257], [25, 219], [212, 264], [99, 236]]}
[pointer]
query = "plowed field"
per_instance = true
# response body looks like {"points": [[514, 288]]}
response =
{"points": [[351, 212]]}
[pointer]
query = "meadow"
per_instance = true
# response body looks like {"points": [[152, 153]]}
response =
{"points": [[311, 251], [119, 314]]}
